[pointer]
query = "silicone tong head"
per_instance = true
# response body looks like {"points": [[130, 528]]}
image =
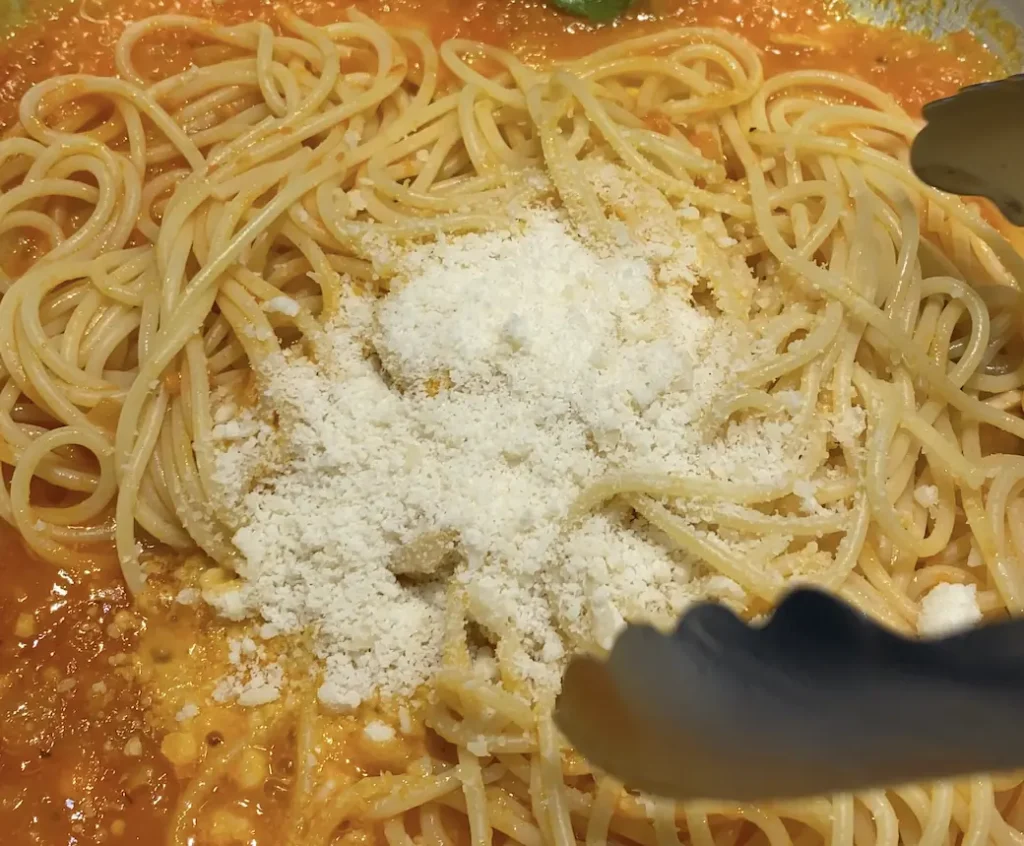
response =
{"points": [[818, 700], [973, 145]]}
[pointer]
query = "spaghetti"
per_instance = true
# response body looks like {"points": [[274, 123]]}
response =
{"points": [[151, 220]]}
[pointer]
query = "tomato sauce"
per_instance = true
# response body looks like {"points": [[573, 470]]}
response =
{"points": [[791, 34], [78, 762]]}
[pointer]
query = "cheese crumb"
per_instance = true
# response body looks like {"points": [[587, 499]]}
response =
{"points": [[807, 489], [356, 200], [233, 430], [229, 603], [187, 712], [948, 608], [254, 682], [850, 424], [187, 596], [379, 732], [281, 305], [927, 496]]}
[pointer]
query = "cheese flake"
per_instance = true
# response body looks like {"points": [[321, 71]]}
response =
{"points": [[948, 608]]}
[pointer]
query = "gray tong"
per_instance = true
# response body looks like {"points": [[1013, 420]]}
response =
{"points": [[973, 145], [820, 699]]}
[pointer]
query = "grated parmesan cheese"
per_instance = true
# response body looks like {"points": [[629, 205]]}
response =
{"points": [[848, 426], [254, 681], [948, 608], [378, 731], [233, 430], [356, 200], [281, 305], [927, 496], [459, 418], [806, 490]]}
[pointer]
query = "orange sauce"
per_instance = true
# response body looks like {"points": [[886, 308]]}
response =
{"points": [[78, 762], [908, 66]]}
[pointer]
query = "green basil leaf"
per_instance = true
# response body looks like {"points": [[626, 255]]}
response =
{"points": [[595, 10]]}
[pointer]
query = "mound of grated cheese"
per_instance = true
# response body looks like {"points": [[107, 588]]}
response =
{"points": [[441, 438]]}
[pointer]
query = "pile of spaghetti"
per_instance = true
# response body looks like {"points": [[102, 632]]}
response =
{"points": [[165, 238]]}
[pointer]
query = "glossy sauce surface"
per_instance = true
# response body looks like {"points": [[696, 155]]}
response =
{"points": [[792, 34], [79, 763]]}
